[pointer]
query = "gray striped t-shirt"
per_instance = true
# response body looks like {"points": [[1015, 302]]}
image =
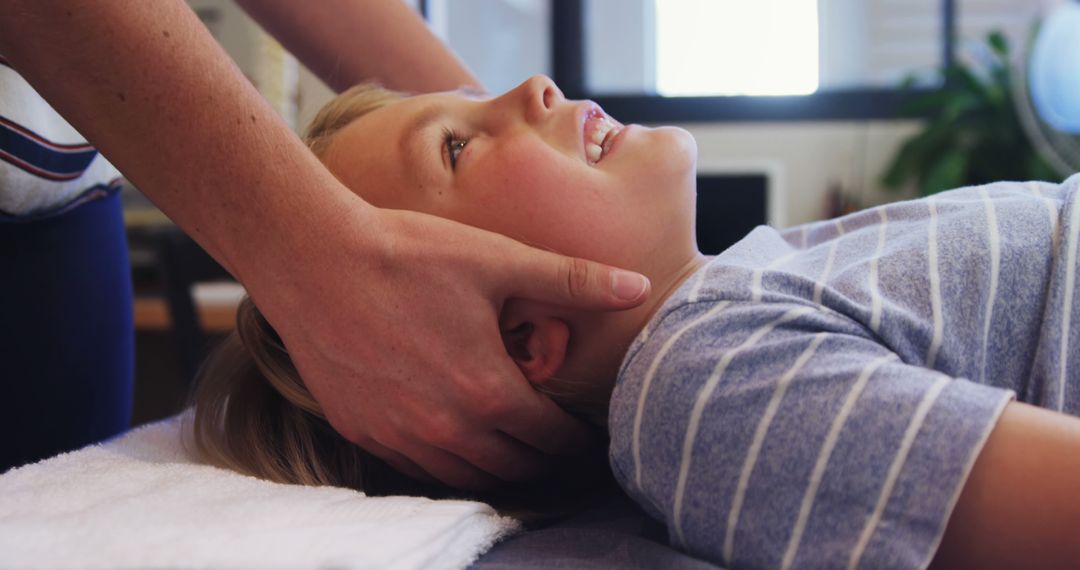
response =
{"points": [[816, 397]]}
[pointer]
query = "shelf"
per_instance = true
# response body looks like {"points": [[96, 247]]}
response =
{"points": [[215, 302]]}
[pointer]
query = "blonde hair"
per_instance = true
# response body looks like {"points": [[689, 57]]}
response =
{"points": [[252, 412], [342, 110]]}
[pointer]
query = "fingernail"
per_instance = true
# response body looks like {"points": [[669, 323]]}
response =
{"points": [[628, 286]]}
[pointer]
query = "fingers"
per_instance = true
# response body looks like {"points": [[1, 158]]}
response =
{"points": [[398, 461], [499, 462], [503, 457], [484, 462], [484, 456], [577, 283], [543, 425], [448, 468]]}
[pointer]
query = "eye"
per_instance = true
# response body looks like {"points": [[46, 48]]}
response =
{"points": [[454, 144]]}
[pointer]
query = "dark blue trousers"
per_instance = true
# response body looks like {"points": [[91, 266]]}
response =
{"points": [[66, 332]]}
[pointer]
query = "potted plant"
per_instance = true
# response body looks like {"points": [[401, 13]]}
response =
{"points": [[972, 134]]}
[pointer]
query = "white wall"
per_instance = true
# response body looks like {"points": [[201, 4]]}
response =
{"points": [[811, 158]]}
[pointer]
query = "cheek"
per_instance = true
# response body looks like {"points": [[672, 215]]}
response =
{"points": [[535, 194]]}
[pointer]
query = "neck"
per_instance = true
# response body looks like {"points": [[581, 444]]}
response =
{"points": [[605, 338]]}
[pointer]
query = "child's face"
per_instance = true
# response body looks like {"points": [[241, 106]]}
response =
{"points": [[524, 171]]}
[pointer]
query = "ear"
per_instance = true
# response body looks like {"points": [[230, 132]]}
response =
{"points": [[538, 346]]}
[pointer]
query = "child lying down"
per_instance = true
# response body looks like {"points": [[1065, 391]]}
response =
{"points": [[839, 394]]}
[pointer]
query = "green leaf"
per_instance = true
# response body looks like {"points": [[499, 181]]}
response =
{"points": [[971, 131], [959, 105], [930, 102], [963, 79], [911, 160], [999, 43], [945, 173], [910, 81]]}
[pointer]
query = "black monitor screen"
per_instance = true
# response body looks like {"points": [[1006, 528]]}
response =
{"points": [[728, 207]]}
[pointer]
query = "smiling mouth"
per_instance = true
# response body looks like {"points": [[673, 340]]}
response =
{"points": [[599, 133]]}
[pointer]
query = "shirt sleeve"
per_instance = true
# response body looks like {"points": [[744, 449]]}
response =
{"points": [[774, 435]]}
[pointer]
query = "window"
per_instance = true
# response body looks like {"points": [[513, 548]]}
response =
{"points": [[864, 48], [702, 46], [694, 60], [766, 47]]}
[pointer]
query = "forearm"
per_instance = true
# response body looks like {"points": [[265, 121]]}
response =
{"points": [[1020, 508], [150, 88], [347, 41]]}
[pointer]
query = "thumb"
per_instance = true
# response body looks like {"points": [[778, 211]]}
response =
{"points": [[576, 283]]}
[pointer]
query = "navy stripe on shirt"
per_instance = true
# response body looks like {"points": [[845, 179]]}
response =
{"points": [[33, 153]]}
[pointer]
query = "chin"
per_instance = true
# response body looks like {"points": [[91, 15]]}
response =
{"points": [[679, 156], [664, 160]]}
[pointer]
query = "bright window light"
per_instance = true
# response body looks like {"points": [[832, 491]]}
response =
{"points": [[736, 47]]}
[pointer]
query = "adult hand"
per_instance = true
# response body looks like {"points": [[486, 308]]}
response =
{"points": [[401, 346], [391, 317]]}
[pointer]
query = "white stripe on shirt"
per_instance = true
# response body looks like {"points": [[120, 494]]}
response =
{"points": [[759, 440], [1055, 242], [895, 468], [1051, 211], [696, 289], [759, 273], [823, 457], [875, 291], [828, 264], [995, 267], [699, 407], [935, 285], [1067, 307], [651, 373]]}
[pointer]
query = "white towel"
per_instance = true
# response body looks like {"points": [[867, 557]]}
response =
{"points": [[140, 501]]}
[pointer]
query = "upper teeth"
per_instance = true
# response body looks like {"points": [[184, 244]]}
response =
{"points": [[596, 148]]}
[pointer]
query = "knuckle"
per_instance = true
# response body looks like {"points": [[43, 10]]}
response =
{"points": [[472, 387], [577, 276], [436, 429], [384, 437], [485, 396], [490, 408], [350, 431]]}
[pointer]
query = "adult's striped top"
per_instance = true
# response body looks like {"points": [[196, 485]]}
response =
{"points": [[46, 166], [816, 397]]}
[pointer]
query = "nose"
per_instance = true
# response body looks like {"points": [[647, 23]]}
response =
{"points": [[535, 98]]}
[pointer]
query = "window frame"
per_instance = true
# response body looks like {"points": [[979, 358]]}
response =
{"points": [[880, 103], [568, 71]]}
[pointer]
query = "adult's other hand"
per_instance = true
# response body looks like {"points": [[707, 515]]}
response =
{"points": [[401, 344]]}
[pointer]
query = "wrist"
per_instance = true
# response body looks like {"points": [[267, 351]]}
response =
{"points": [[287, 247]]}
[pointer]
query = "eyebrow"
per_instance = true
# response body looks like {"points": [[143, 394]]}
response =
{"points": [[417, 155]]}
